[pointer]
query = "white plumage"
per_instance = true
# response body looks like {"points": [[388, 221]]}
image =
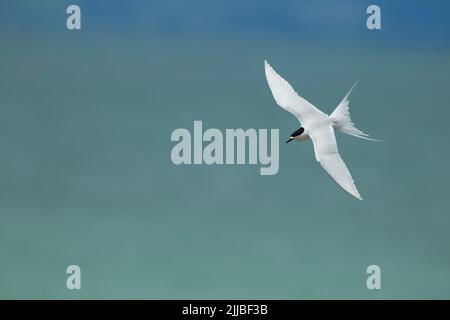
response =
{"points": [[319, 127]]}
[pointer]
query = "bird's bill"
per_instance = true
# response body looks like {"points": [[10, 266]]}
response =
{"points": [[289, 140]]}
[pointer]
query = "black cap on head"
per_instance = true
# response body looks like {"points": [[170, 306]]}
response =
{"points": [[297, 132]]}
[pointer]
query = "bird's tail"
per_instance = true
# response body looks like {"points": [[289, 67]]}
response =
{"points": [[342, 121]]}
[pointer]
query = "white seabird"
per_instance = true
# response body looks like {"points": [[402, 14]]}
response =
{"points": [[319, 127]]}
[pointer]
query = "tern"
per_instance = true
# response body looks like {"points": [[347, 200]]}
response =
{"points": [[319, 127]]}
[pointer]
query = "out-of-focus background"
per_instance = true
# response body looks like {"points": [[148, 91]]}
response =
{"points": [[85, 170]]}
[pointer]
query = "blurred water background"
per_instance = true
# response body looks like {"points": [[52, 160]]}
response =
{"points": [[85, 170]]}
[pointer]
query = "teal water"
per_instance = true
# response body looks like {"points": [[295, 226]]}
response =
{"points": [[86, 175]]}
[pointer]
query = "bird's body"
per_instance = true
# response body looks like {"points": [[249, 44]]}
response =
{"points": [[319, 127]]}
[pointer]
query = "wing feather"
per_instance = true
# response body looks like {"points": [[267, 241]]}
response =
{"points": [[287, 98], [327, 154]]}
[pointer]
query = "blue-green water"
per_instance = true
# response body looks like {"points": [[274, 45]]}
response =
{"points": [[87, 179]]}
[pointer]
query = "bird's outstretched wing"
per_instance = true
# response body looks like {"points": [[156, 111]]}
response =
{"points": [[287, 98], [327, 154]]}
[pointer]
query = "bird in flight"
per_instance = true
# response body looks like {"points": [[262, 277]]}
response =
{"points": [[319, 127]]}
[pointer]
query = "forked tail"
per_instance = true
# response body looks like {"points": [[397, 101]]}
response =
{"points": [[342, 121]]}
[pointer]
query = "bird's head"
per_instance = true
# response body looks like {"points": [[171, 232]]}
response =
{"points": [[296, 135]]}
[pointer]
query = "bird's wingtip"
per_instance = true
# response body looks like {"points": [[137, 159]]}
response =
{"points": [[356, 194], [267, 68]]}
